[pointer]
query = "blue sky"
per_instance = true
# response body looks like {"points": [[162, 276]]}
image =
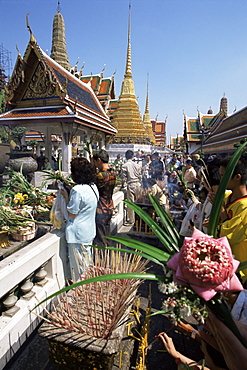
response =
{"points": [[193, 50]]}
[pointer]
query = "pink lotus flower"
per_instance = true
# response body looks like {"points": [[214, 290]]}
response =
{"points": [[206, 265]]}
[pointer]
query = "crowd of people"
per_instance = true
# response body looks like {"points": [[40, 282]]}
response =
{"points": [[187, 185]]}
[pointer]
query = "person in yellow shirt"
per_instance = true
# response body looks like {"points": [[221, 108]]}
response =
{"points": [[233, 217], [157, 192]]}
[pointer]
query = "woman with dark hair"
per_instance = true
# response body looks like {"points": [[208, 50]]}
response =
{"points": [[106, 180], [81, 206]]}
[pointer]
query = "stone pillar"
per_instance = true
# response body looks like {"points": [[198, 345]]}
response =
{"points": [[66, 156]]}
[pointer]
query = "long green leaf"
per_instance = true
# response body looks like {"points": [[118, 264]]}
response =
{"points": [[215, 212], [158, 231], [130, 251], [242, 266], [127, 275], [146, 248], [165, 220]]}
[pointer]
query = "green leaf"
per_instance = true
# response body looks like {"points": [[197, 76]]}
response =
{"points": [[242, 266], [157, 313], [146, 248], [127, 275], [215, 212], [130, 251], [165, 220], [166, 240]]}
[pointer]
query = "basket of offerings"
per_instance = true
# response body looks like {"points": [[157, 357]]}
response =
{"points": [[25, 233]]}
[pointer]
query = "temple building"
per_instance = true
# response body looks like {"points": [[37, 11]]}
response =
{"points": [[45, 97], [177, 143], [229, 130], [198, 129], [103, 88], [159, 130]]}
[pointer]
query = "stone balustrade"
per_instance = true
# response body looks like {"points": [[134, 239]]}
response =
{"points": [[28, 276]]}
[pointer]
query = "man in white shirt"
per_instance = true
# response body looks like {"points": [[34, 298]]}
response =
{"points": [[132, 182]]}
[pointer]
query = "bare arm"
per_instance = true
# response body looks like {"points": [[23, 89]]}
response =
{"points": [[66, 196], [169, 346]]}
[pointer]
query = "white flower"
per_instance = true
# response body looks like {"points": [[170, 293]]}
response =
{"points": [[166, 306], [173, 319], [162, 287], [172, 287], [185, 311], [167, 272]]}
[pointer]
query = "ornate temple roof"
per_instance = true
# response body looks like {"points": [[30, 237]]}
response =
{"points": [[103, 87], [227, 132], [42, 88], [193, 126]]}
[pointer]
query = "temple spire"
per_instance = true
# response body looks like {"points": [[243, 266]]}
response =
{"points": [[58, 50], [147, 118], [147, 103], [128, 70], [127, 117]]}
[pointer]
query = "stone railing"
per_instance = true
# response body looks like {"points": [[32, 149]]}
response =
{"points": [[31, 274]]}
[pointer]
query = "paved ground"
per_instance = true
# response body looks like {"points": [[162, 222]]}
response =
{"points": [[35, 353]]}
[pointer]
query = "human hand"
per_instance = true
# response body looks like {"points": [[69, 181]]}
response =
{"points": [[187, 329], [211, 196], [191, 195], [169, 345], [64, 193]]}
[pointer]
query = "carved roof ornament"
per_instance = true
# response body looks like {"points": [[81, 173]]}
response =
{"points": [[32, 38], [224, 104]]}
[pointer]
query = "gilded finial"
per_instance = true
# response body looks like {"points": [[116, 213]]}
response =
{"points": [[32, 39], [58, 7], [147, 102], [128, 71]]}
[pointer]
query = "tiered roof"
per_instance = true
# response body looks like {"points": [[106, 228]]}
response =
{"points": [[103, 87], [41, 89], [226, 133]]}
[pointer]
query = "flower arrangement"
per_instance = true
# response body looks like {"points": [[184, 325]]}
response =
{"points": [[203, 267], [21, 203], [13, 220], [116, 166]]}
